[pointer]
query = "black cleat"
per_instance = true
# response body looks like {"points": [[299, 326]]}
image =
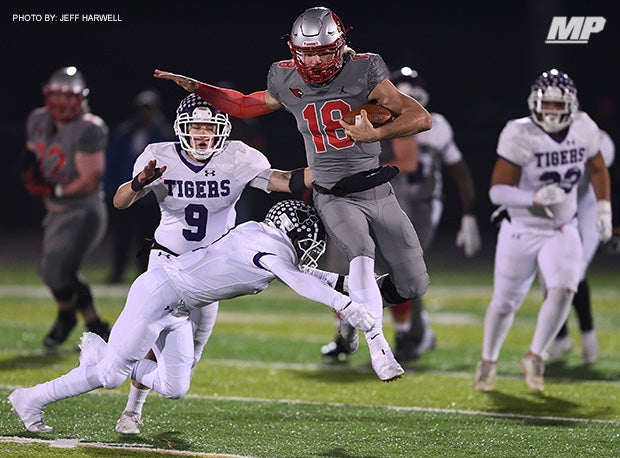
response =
{"points": [[337, 350], [65, 322], [101, 328]]}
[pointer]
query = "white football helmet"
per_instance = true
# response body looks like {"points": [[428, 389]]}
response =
{"points": [[318, 30], [553, 86], [301, 223], [194, 110]]}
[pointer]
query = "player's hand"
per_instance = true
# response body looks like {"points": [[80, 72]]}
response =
{"points": [[549, 194], [149, 173], [362, 130], [187, 83], [358, 315], [35, 185], [603, 221], [468, 236]]}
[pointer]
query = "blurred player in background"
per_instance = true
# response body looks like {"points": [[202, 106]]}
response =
{"points": [[65, 147], [324, 80], [586, 216], [197, 181], [541, 160], [131, 227], [156, 314], [419, 190]]}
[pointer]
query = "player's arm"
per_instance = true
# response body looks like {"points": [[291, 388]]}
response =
{"points": [[410, 117], [229, 101], [90, 168], [405, 154], [129, 192], [294, 181], [315, 290], [599, 176], [468, 235]]}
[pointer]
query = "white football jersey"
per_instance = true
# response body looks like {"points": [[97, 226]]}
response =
{"points": [[197, 199], [229, 267], [544, 160]]}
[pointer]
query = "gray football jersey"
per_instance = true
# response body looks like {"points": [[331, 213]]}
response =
{"points": [[56, 149], [331, 154]]}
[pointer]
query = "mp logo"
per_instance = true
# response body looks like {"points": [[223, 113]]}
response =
{"points": [[576, 29]]}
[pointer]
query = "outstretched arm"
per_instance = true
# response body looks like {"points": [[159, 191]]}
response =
{"points": [[228, 100], [129, 192]]}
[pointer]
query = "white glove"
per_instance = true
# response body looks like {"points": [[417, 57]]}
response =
{"points": [[358, 316], [468, 236], [550, 194], [603, 221]]}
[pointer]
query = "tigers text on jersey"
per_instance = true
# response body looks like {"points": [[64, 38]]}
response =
{"points": [[197, 199], [331, 154], [229, 267], [56, 148], [543, 160]]}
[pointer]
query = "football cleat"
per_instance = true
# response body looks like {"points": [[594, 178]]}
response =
{"points": [[485, 376], [533, 368], [65, 322], [129, 423], [560, 347], [382, 359], [589, 347], [101, 328], [30, 416]]}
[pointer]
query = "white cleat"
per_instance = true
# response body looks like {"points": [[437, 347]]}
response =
{"points": [[31, 417], [533, 368], [92, 348], [382, 359], [560, 347], [485, 376], [129, 423], [589, 347]]}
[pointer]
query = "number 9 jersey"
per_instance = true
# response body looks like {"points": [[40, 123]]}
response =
{"points": [[197, 199], [544, 160]]}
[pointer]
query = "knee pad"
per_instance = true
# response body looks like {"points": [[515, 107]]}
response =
{"points": [[505, 306], [413, 291], [175, 391]]}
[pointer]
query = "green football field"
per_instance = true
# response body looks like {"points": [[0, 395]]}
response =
{"points": [[261, 389]]}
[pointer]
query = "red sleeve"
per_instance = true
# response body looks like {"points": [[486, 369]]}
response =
{"points": [[234, 102]]}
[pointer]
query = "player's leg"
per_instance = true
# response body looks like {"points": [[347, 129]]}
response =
{"points": [[346, 222], [101, 364], [68, 236], [513, 274]]}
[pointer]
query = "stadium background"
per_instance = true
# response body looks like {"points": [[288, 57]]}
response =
{"points": [[478, 57]]}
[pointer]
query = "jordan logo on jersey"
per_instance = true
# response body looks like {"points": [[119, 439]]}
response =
{"points": [[198, 189]]}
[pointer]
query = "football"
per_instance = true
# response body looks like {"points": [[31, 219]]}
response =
{"points": [[377, 114]]}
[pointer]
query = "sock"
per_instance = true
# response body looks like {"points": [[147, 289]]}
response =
{"points": [[581, 304], [363, 287], [496, 327], [136, 399], [553, 312], [78, 381]]}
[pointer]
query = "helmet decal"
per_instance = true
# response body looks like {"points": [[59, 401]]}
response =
{"points": [[553, 101]]}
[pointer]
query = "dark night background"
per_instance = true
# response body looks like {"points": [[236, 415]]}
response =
{"points": [[479, 58]]}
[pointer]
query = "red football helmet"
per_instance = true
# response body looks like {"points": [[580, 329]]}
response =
{"points": [[64, 93], [320, 32]]}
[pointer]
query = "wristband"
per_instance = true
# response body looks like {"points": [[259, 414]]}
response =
{"points": [[137, 186], [297, 183]]}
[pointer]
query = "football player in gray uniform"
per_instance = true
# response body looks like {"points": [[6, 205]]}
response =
{"points": [[324, 80], [421, 160], [285, 246], [66, 148]]}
